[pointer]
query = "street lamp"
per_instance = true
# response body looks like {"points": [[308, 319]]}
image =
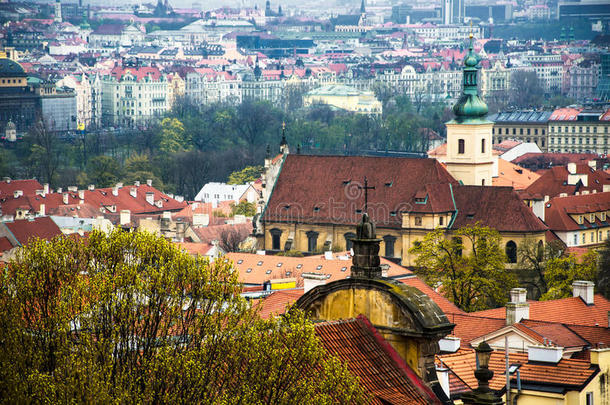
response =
{"points": [[482, 395]]}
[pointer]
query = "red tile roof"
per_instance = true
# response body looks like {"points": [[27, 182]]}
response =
{"points": [[511, 175], [572, 374], [555, 182], [565, 114], [139, 73], [383, 374], [276, 303], [497, 207], [211, 233], [469, 327], [540, 160], [28, 187], [25, 229], [569, 311], [5, 244], [330, 184], [557, 211], [258, 269], [101, 197]]}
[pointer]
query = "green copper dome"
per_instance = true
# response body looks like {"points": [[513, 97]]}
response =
{"points": [[470, 107]]}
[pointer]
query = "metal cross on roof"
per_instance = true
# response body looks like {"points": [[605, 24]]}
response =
{"points": [[366, 189]]}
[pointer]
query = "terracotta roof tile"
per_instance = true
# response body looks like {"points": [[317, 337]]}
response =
{"points": [[555, 182], [25, 229], [509, 174], [7, 188], [569, 311], [258, 269], [381, 371], [276, 303], [557, 211]]}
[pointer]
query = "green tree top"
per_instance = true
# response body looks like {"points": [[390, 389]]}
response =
{"points": [[246, 175], [561, 272], [469, 267], [129, 318]]}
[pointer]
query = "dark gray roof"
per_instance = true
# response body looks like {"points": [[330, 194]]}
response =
{"points": [[347, 19], [540, 117], [9, 68]]}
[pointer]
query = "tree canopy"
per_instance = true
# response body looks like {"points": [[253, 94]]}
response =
{"points": [[562, 271], [129, 318], [469, 267]]}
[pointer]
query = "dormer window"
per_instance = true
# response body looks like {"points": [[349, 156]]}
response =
{"points": [[580, 219], [418, 221], [591, 217], [602, 216]]}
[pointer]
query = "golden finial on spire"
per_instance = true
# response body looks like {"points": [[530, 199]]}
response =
{"points": [[283, 125], [470, 35]]}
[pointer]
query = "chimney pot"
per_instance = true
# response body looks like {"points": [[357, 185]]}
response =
{"points": [[518, 308], [584, 290]]}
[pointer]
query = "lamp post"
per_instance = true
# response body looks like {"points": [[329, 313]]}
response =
{"points": [[482, 395]]}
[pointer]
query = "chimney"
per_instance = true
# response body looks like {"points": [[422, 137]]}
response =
{"points": [[136, 183], [201, 219], [133, 192], [115, 191], [65, 198], [584, 290], [592, 164], [59, 190], [518, 308], [149, 182], [544, 353], [150, 198], [572, 168], [442, 373], [312, 280], [7, 179], [41, 210], [72, 189], [119, 185], [17, 193], [46, 188], [125, 217], [179, 198], [449, 344], [81, 194], [606, 188], [91, 187]]}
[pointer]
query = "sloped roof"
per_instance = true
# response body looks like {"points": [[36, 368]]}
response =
{"points": [[382, 372], [25, 229], [497, 207], [8, 187], [511, 175], [275, 303], [258, 269], [568, 373], [554, 182], [557, 211], [569, 311], [330, 184]]}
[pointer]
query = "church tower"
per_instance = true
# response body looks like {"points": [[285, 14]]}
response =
{"points": [[57, 10], [469, 134]]}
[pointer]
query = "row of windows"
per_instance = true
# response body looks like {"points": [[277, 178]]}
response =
{"points": [[580, 142], [592, 237], [312, 241], [462, 146], [507, 131], [580, 129]]}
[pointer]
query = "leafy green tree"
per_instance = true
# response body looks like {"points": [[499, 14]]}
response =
{"points": [[246, 175], [103, 171], [561, 272], [244, 208], [472, 275], [129, 318], [533, 257], [603, 269], [173, 137], [139, 167]]}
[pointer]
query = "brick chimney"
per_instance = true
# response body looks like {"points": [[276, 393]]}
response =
{"points": [[518, 308], [584, 290]]}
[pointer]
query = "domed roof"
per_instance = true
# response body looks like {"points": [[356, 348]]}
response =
{"points": [[9, 68], [470, 105], [10, 125], [471, 59]]}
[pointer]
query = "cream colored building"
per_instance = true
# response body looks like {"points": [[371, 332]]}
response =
{"points": [[345, 98]]}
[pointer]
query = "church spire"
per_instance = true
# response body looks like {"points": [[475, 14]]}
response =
{"points": [[470, 106], [284, 142], [365, 262], [362, 8]]}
